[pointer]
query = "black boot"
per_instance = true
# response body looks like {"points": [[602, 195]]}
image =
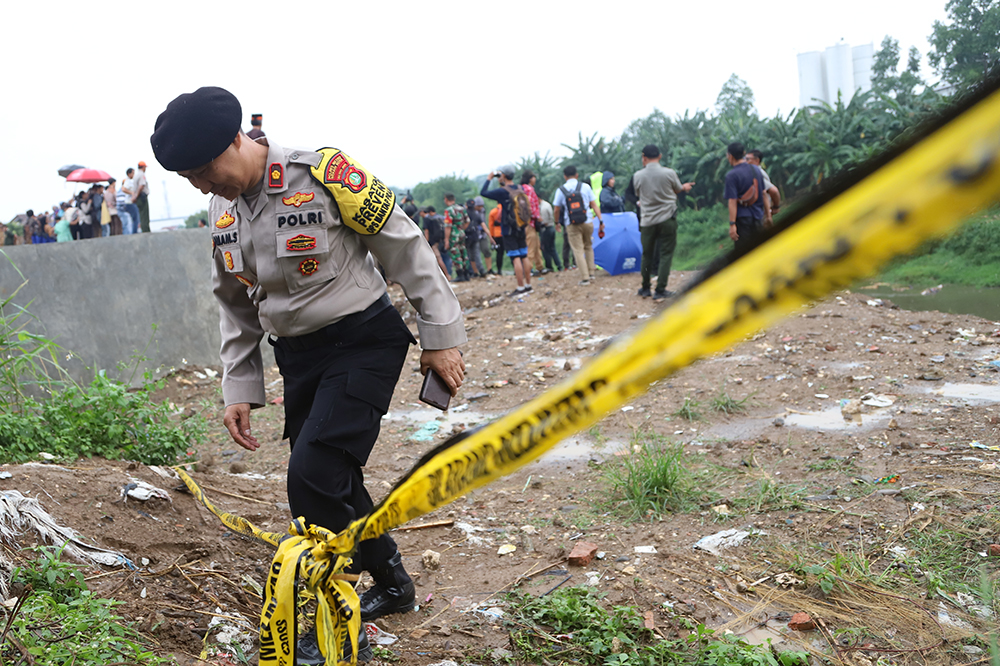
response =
{"points": [[392, 592], [307, 649]]}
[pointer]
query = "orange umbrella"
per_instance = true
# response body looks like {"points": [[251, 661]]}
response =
{"points": [[88, 176]]}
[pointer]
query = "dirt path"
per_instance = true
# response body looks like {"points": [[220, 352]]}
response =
{"points": [[919, 388]]}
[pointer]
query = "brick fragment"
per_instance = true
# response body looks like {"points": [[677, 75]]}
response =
{"points": [[583, 553], [801, 622]]}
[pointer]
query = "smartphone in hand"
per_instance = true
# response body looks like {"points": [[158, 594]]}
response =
{"points": [[435, 391]]}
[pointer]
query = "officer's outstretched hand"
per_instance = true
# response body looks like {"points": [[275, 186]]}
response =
{"points": [[447, 363], [237, 421]]}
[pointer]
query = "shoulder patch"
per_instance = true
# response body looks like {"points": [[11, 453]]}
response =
{"points": [[365, 202], [276, 175]]}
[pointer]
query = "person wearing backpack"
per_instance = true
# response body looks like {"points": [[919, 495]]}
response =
{"points": [[746, 196], [515, 215], [572, 200]]}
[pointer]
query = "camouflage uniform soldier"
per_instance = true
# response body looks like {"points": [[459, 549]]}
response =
{"points": [[457, 219]]}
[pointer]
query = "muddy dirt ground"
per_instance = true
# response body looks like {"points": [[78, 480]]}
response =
{"points": [[838, 396]]}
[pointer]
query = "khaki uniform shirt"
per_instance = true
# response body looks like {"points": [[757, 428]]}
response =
{"points": [[288, 266], [657, 187]]}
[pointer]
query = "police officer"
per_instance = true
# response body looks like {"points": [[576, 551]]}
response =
{"points": [[294, 232]]}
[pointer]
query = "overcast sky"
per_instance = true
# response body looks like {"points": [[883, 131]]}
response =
{"points": [[411, 90]]}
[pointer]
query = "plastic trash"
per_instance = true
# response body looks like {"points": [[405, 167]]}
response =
{"points": [[506, 548], [716, 543], [378, 636], [873, 400], [645, 550], [143, 491], [426, 432]]}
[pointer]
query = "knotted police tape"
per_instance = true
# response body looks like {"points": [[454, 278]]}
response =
{"points": [[921, 193]]}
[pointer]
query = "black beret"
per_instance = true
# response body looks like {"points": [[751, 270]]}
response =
{"points": [[196, 128]]}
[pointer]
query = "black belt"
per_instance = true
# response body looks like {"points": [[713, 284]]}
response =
{"points": [[334, 333]]}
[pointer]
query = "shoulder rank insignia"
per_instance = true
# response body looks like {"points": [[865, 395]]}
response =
{"points": [[308, 266], [224, 221], [365, 202], [298, 199], [276, 175]]}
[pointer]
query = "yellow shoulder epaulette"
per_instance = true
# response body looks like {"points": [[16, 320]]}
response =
{"points": [[364, 201]]}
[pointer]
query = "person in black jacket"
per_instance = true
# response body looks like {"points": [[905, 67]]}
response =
{"points": [[610, 201]]}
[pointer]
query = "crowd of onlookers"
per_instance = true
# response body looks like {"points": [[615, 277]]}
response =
{"points": [[100, 211], [469, 243], [523, 226]]}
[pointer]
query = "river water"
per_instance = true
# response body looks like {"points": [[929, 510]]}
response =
{"points": [[982, 302]]}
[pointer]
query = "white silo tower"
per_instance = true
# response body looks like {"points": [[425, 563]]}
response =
{"points": [[864, 56], [812, 78], [839, 72]]}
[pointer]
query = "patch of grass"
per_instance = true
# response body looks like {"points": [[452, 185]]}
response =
{"points": [[591, 634], [651, 479], [60, 622], [766, 494], [690, 410], [599, 437], [728, 405], [950, 562]]}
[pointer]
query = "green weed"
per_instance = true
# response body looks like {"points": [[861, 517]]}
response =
{"points": [[766, 494], [105, 419], [573, 626], [60, 622], [690, 410], [948, 558], [845, 465], [651, 479], [43, 409], [728, 405]]}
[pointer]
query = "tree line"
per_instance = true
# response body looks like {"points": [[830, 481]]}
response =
{"points": [[802, 148]]}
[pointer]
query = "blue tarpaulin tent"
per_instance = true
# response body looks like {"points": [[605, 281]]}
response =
{"points": [[620, 251]]}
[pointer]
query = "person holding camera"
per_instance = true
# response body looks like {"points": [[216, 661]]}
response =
{"points": [[515, 242]]}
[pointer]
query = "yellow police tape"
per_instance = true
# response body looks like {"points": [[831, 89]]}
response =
{"points": [[921, 194]]}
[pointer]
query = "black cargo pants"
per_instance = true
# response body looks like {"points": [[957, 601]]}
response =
{"points": [[338, 385]]}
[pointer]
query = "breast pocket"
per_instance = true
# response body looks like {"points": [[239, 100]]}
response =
{"points": [[232, 257], [305, 258]]}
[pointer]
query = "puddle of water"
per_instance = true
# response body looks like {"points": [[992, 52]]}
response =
{"points": [[970, 392], [447, 419], [579, 449], [761, 635], [951, 298], [832, 419]]}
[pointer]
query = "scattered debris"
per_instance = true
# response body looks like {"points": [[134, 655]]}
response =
{"points": [[873, 400], [801, 622], [431, 560], [142, 491], [18, 514], [716, 543], [645, 550], [582, 554], [378, 636], [426, 432], [506, 549]]}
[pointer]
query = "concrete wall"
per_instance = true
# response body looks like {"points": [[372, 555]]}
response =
{"points": [[100, 298]]}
